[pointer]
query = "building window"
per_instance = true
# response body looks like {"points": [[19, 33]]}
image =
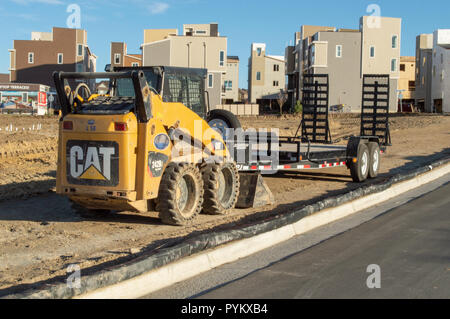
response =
{"points": [[259, 51], [79, 67], [200, 32], [393, 65], [394, 41], [442, 58], [80, 50], [222, 58], [275, 83], [258, 76], [372, 51], [117, 57], [339, 51], [134, 64], [276, 68], [210, 81], [31, 58], [412, 85], [402, 67], [229, 85], [442, 76], [60, 58]]}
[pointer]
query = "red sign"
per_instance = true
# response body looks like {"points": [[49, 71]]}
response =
{"points": [[42, 99]]}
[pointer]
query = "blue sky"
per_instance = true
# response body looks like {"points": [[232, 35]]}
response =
{"points": [[242, 21]]}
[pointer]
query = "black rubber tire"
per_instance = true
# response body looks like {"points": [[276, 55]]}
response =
{"points": [[374, 153], [358, 175], [167, 204], [86, 212], [216, 202], [229, 118]]}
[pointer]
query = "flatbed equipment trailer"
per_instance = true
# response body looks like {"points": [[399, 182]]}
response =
{"points": [[314, 148]]}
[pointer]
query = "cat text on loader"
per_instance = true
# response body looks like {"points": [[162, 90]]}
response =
{"points": [[139, 153]]}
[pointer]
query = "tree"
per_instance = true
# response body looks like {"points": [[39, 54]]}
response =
{"points": [[281, 100]]}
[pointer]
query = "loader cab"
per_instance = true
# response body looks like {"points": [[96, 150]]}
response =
{"points": [[173, 84]]}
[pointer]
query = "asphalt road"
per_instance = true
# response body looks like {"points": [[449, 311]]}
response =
{"points": [[408, 238], [410, 244]]}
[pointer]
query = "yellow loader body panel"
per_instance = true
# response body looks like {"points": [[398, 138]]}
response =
{"points": [[114, 162]]}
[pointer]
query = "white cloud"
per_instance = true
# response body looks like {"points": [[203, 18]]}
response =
{"points": [[38, 1], [158, 7]]}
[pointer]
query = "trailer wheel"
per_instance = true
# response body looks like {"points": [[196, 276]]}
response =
{"points": [[360, 169], [180, 196], [221, 184], [221, 120], [375, 158]]}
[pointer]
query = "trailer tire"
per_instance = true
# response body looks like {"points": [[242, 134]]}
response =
{"points": [[180, 196], [221, 184], [375, 156], [221, 120], [360, 169]]}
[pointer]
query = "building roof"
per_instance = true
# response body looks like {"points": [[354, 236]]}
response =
{"points": [[276, 57], [407, 59]]}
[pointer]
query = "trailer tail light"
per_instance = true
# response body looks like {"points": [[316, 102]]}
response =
{"points": [[120, 127], [68, 125]]}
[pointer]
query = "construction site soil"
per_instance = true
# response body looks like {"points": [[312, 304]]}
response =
{"points": [[40, 235]]}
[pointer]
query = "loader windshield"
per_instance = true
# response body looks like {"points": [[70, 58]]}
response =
{"points": [[124, 87], [173, 84]]}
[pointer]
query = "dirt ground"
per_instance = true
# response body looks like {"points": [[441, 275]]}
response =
{"points": [[40, 235]]}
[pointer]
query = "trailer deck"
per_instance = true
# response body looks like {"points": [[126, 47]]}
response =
{"points": [[312, 146]]}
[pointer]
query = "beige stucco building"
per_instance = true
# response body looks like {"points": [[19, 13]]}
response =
{"points": [[407, 81], [266, 76], [346, 55], [200, 46], [424, 65], [231, 80]]}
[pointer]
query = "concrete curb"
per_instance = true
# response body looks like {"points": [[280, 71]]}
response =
{"points": [[203, 253]]}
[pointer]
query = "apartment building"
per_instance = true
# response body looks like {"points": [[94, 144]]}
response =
{"points": [[424, 66], [337, 53], [231, 80], [346, 55], [440, 79], [407, 83], [200, 46], [432, 71], [121, 58], [266, 76], [297, 57], [35, 60]]}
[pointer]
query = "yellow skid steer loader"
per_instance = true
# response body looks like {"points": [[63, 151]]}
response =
{"points": [[130, 150]]}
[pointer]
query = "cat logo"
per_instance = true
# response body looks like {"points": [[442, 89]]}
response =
{"points": [[92, 163]]}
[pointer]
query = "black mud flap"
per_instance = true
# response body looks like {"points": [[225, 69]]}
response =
{"points": [[254, 192]]}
